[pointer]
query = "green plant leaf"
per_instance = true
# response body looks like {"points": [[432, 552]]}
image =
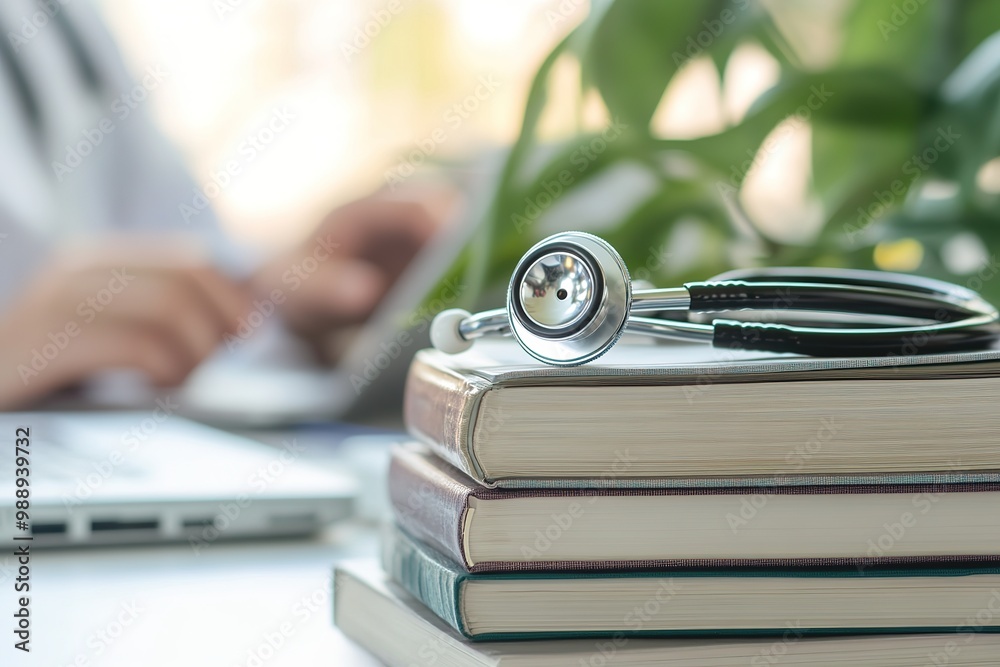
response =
{"points": [[854, 98], [905, 72], [853, 167], [638, 40], [913, 40], [979, 20]]}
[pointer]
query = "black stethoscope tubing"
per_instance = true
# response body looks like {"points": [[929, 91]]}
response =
{"points": [[954, 318]]}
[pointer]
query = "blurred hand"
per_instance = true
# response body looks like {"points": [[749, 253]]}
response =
{"points": [[341, 272], [155, 310], [104, 310]]}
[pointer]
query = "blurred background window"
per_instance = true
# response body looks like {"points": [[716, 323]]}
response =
{"points": [[374, 88]]}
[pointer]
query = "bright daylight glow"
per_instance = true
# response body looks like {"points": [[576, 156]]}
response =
{"points": [[692, 104], [357, 112], [776, 192], [485, 23], [988, 177]]}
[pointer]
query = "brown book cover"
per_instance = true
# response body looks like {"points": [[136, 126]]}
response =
{"points": [[432, 501], [693, 418]]}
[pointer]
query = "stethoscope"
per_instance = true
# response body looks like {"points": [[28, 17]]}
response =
{"points": [[570, 299]]}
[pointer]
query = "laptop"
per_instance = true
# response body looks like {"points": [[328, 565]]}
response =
{"points": [[152, 476]]}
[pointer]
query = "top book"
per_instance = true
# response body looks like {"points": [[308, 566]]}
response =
{"points": [[691, 415]]}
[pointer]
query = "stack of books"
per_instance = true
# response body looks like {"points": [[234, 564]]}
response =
{"points": [[681, 506]]}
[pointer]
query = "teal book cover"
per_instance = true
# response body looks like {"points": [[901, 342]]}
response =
{"points": [[890, 601]]}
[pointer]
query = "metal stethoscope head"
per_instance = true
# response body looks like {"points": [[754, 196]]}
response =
{"points": [[570, 299]]}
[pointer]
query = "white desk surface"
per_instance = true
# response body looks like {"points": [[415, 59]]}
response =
{"points": [[218, 609]]}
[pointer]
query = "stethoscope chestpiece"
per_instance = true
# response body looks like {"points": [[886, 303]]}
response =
{"points": [[569, 299]]}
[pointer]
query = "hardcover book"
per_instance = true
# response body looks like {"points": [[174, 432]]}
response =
{"points": [[683, 414], [366, 603], [490, 529], [717, 602]]}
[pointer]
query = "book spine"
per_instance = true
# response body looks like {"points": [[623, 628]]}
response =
{"points": [[430, 580], [429, 504], [439, 409]]}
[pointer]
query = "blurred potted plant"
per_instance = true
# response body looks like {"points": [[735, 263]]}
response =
{"points": [[907, 74]]}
